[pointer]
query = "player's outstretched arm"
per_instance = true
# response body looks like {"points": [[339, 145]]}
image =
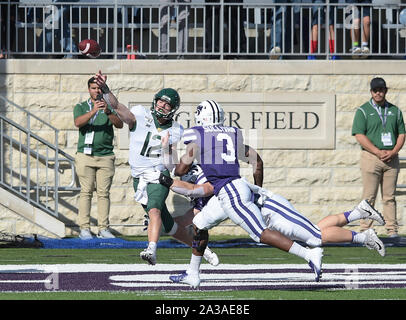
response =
{"points": [[122, 111], [186, 188], [169, 153], [252, 157], [187, 159]]}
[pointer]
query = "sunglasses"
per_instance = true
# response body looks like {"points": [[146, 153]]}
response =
{"points": [[375, 90]]}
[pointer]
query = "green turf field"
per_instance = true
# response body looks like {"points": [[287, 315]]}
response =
{"points": [[180, 255], [262, 255]]}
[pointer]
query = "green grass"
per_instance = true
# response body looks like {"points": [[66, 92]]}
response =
{"points": [[182, 255], [364, 294]]}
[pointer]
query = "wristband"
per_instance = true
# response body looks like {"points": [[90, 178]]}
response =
{"points": [[105, 88], [165, 180]]}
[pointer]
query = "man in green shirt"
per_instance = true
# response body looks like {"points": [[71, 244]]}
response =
{"points": [[379, 128], [95, 158]]}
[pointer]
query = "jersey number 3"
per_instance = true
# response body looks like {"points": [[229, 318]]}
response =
{"points": [[230, 155]]}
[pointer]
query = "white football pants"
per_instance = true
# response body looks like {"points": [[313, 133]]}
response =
{"points": [[211, 215], [236, 204], [280, 215]]}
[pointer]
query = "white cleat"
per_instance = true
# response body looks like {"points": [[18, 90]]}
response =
{"points": [[211, 257], [191, 279], [149, 256], [372, 242], [314, 258], [369, 212]]}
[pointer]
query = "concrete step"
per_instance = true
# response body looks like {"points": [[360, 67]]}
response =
{"points": [[32, 214]]}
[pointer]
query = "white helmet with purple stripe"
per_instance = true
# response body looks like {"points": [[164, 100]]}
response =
{"points": [[209, 112]]}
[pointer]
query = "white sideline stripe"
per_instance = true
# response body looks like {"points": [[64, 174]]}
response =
{"points": [[223, 278], [104, 267], [254, 279], [240, 285]]}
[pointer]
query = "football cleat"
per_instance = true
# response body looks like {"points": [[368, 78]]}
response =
{"points": [[369, 212], [372, 242], [314, 258], [211, 257], [149, 256], [191, 279]]}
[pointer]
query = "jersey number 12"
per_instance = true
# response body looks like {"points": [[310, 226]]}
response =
{"points": [[151, 151]]}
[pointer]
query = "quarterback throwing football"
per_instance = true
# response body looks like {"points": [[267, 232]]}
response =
{"points": [[147, 127]]}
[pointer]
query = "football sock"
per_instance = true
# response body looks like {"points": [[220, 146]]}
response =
{"points": [[358, 237], [298, 250], [355, 44], [352, 215], [365, 44], [194, 265], [152, 246]]}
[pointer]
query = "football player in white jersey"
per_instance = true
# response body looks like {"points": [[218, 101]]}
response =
{"points": [[147, 126]]}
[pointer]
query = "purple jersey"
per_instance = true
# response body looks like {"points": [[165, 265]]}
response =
{"points": [[219, 147]]}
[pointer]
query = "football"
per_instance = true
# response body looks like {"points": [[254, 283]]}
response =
{"points": [[89, 48]]}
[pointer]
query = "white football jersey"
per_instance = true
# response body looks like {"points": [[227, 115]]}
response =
{"points": [[145, 141]]}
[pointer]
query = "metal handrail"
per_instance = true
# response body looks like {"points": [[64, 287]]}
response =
{"points": [[67, 158], [139, 25], [36, 179]]}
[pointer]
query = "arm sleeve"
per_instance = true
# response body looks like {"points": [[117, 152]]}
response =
{"points": [[197, 192]]}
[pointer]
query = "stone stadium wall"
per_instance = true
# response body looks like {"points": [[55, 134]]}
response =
{"points": [[297, 113]]}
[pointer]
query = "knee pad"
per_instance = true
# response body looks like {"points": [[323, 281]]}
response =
{"points": [[200, 240]]}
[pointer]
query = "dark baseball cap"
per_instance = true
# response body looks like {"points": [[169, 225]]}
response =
{"points": [[378, 83]]}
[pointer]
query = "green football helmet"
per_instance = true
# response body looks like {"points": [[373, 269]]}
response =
{"points": [[169, 95]]}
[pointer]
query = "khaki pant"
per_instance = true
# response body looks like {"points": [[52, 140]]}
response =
{"points": [[376, 173], [94, 173]]}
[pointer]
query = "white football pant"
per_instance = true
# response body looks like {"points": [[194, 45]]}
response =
{"points": [[236, 200], [277, 213], [281, 216], [211, 215]]}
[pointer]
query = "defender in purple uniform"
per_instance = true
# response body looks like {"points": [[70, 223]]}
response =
{"points": [[217, 149]]}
